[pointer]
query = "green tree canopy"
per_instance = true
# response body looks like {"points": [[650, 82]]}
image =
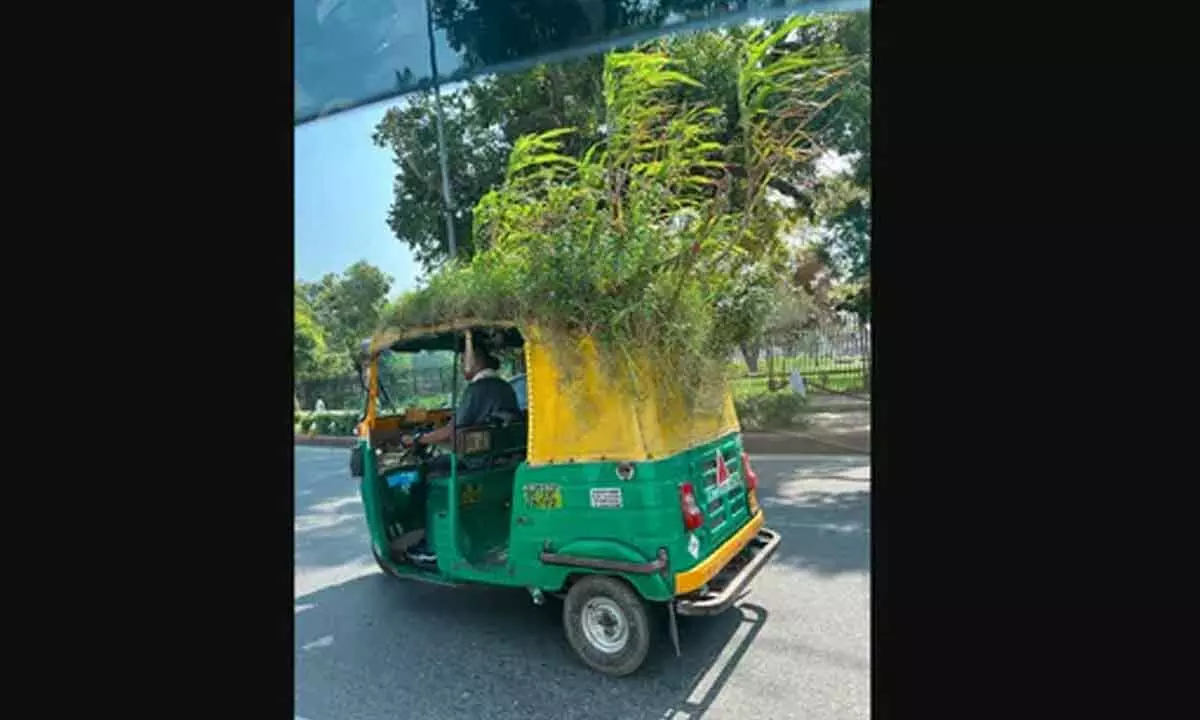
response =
{"points": [[334, 314]]}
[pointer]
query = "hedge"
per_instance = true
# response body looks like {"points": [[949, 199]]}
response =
{"points": [[332, 422], [769, 410]]}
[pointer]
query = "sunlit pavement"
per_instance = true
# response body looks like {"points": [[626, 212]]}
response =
{"points": [[369, 646]]}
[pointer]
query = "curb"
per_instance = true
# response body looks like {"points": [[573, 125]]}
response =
{"points": [[756, 443], [326, 440]]}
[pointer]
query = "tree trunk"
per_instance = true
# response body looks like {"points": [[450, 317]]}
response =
{"points": [[750, 354], [773, 384]]}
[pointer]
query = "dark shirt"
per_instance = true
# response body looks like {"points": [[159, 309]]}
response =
{"points": [[484, 398]]}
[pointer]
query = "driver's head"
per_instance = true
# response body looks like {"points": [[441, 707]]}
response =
{"points": [[477, 360]]}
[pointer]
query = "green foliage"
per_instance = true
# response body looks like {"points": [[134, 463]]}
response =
{"points": [[326, 423], [643, 242], [332, 316], [308, 345], [486, 116], [844, 202], [476, 153], [769, 410], [790, 314]]}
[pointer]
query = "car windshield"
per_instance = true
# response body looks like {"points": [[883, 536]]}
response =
{"points": [[668, 203], [350, 53]]}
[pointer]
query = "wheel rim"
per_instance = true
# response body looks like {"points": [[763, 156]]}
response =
{"points": [[605, 625]]}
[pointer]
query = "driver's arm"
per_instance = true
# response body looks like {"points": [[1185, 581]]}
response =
{"points": [[469, 412], [444, 434]]}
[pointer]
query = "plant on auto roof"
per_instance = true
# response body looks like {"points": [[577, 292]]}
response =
{"points": [[658, 243]]}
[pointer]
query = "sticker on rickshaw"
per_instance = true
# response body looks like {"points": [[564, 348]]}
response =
{"points": [[476, 442], [402, 479], [543, 496], [694, 546], [606, 497], [471, 494]]}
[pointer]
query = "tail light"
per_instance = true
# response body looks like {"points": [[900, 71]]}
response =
{"points": [[748, 473], [751, 480], [692, 519]]}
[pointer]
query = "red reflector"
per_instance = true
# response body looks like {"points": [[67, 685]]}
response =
{"points": [[692, 519], [748, 473]]}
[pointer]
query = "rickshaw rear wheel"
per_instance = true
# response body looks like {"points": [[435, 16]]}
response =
{"points": [[607, 625]]}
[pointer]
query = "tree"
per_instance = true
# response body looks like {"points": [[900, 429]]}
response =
{"points": [[342, 311], [476, 154], [844, 201], [308, 344], [481, 122]]}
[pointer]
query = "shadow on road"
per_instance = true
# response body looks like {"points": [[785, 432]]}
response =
{"points": [[823, 511], [329, 525], [426, 651]]}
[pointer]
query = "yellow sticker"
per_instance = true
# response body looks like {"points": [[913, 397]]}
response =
{"points": [[471, 494], [544, 496]]}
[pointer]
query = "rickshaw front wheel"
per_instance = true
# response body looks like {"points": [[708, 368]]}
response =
{"points": [[607, 625]]}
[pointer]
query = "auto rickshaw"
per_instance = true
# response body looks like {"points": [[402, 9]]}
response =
{"points": [[591, 494]]}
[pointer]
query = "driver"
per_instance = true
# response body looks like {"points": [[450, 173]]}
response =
{"points": [[487, 394]]}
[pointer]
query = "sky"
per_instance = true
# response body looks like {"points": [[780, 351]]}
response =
{"points": [[343, 188]]}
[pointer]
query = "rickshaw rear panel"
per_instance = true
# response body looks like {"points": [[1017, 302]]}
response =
{"points": [[580, 505]]}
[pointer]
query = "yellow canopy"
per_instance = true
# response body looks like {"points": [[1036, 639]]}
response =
{"points": [[593, 418]]}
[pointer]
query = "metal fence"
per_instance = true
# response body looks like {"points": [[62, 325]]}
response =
{"points": [[405, 387], [833, 357]]}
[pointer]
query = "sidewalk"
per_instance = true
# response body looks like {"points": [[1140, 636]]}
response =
{"points": [[844, 431], [830, 402]]}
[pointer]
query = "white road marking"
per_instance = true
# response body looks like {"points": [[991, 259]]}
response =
{"points": [[324, 641]]}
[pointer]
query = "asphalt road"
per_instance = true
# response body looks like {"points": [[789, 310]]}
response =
{"points": [[372, 647]]}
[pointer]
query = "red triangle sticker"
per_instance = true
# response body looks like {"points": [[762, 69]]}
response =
{"points": [[722, 470]]}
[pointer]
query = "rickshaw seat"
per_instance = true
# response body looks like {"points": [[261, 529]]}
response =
{"points": [[500, 442]]}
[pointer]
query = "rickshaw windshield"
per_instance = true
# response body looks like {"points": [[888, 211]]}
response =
{"points": [[415, 380]]}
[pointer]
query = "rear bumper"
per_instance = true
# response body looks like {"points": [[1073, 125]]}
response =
{"points": [[755, 554]]}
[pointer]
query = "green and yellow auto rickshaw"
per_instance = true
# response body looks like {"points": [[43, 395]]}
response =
{"points": [[615, 503]]}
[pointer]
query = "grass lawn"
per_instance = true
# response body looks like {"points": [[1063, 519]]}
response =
{"points": [[839, 382]]}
